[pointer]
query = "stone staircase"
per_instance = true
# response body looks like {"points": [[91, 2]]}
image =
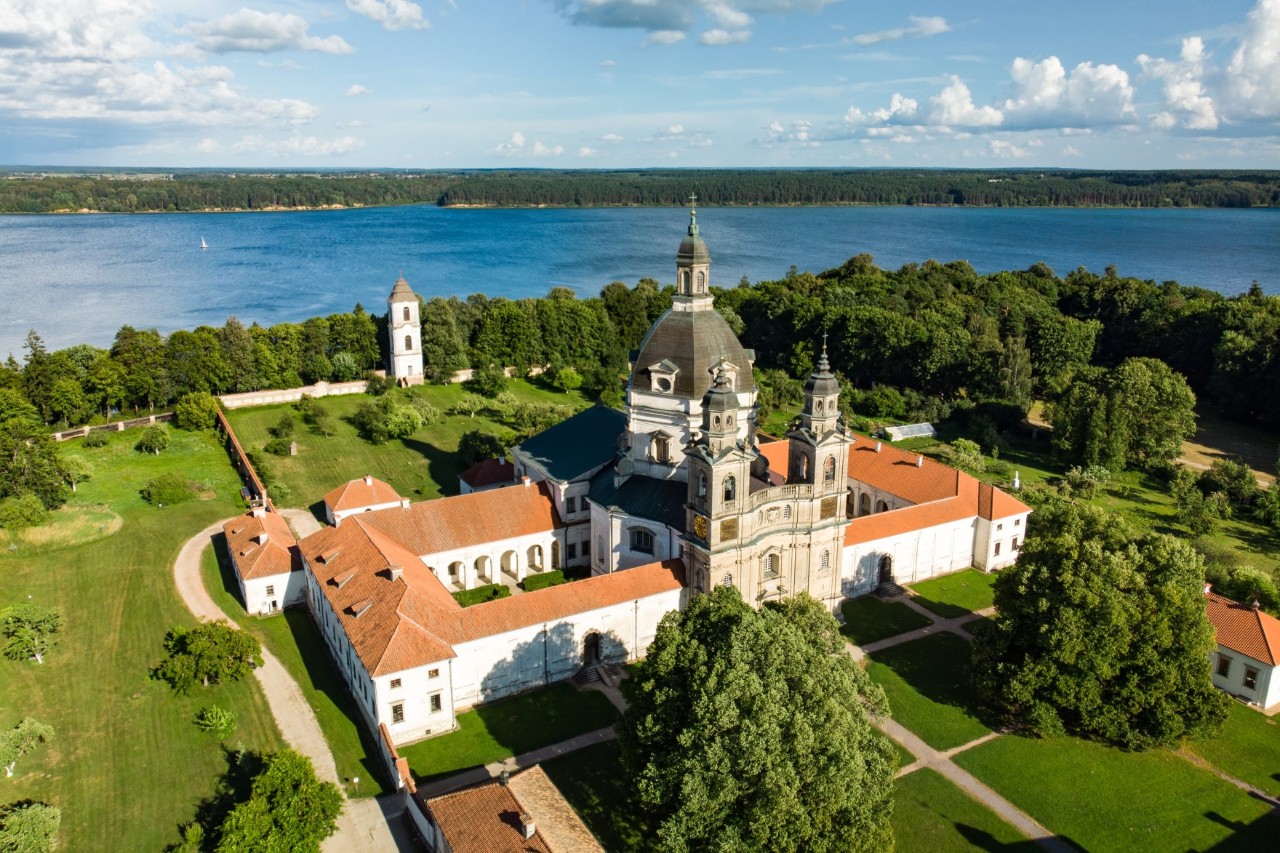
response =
{"points": [[888, 589], [598, 672]]}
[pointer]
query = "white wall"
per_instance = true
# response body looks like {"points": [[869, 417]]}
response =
{"points": [[292, 395], [999, 535], [1266, 690], [917, 555], [335, 517], [468, 577], [285, 589], [414, 693]]}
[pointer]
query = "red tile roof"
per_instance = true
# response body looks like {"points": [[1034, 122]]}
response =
{"points": [[490, 472], [445, 524], [367, 491], [870, 528], [484, 819], [1244, 629], [255, 558], [994, 504], [896, 472]]}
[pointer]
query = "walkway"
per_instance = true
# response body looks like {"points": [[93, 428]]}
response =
{"points": [[362, 825]]}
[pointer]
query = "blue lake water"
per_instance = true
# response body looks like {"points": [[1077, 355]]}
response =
{"points": [[79, 278]]}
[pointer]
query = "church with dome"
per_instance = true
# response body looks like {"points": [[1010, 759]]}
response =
{"points": [[676, 494]]}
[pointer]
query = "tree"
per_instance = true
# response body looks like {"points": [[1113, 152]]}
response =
{"points": [[477, 445], [444, 352], [288, 809], [470, 405], [209, 653], [29, 630], [196, 411], [154, 439], [1014, 373], [489, 380], [749, 730], [1100, 633], [967, 456], [29, 460], [28, 827], [20, 740], [345, 367], [76, 470], [216, 720]]}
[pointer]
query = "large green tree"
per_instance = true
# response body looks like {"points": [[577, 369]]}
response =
{"points": [[749, 730], [444, 352], [29, 460], [28, 827], [207, 654], [1101, 633], [28, 630], [288, 809], [20, 740]]}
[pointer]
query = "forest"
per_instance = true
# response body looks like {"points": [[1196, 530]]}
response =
{"points": [[204, 191]]}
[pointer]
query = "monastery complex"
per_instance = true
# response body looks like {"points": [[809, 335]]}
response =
{"points": [[657, 503]]}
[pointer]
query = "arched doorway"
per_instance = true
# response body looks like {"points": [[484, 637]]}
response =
{"points": [[886, 569], [484, 569], [535, 558], [591, 649], [555, 554], [864, 504]]}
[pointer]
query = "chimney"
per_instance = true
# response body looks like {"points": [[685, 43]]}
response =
{"points": [[258, 508], [396, 572], [1017, 481], [1207, 587], [920, 460], [527, 826], [368, 479], [525, 480], [877, 447], [262, 538], [1255, 604]]}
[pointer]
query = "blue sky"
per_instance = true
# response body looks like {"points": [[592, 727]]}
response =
{"points": [[639, 83]]}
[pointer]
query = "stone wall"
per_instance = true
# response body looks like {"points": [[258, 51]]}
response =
{"points": [[292, 395], [80, 432]]}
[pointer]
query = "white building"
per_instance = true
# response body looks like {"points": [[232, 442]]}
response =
{"points": [[1248, 654], [264, 557], [363, 495], [404, 332]]}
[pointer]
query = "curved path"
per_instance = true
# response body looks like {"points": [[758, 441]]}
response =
{"points": [[362, 825]]}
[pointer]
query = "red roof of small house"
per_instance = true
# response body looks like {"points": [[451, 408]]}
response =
{"points": [[490, 472], [446, 524], [261, 546], [1245, 629], [357, 494]]}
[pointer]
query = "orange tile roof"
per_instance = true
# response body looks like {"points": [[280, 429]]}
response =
{"points": [[881, 525], [255, 559], [445, 524], [490, 472], [367, 491], [484, 819], [779, 455], [1244, 629], [557, 822], [994, 504], [896, 472]]}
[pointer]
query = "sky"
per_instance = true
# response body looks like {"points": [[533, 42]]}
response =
{"points": [[427, 84]]}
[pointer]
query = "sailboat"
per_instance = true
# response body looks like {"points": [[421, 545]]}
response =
{"points": [[203, 244]]}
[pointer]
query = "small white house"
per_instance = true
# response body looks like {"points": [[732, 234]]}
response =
{"points": [[264, 556], [363, 495], [1246, 661]]}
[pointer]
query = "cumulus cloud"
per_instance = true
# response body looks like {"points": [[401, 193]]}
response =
{"points": [[540, 150], [719, 37], [611, 137], [954, 107], [392, 14], [664, 37], [1046, 95], [799, 133], [357, 89], [1185, 93], [517, 146], [1254, 69], [297, 144], [670, 21], [252, 31], [921, 27], [677, 134], [1006, 150], [585, 151]]}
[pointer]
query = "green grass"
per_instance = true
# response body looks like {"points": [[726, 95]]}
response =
{"points": [[956, 594], [592, 781], [868, 619], [1248, 749], [481, 594], [425, 465], [1100, 798], [508, 727], [127, 765], [930, 813], [927, 682], [294, 639]]}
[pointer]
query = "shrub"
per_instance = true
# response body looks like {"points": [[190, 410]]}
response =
{"points": [[1233, 478], [345, 367], [171, 488], [284, 427], [98, 438], [488, 381], [153, 439], [18, 512], [967, 456], [481, 594], [542, 580], [196, 411], [278, 446], [216, 720]]}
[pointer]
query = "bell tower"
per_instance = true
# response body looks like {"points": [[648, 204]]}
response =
{"points": [[693, 266], [404, 330]]}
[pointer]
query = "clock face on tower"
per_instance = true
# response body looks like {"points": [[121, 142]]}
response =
{"points": [[700, 526]]}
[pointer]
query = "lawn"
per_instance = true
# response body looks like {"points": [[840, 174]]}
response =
{"points": [[508, 727], [294, 639], [592, 781], [126, 765], [868, 619], [1099, 798], [955, 594], [425, 465], [927, 682], [1248, 749], [930, 813]]}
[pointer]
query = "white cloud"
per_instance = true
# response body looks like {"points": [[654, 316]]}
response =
{"points": [[664, 37], [1046, 96], [611, 137], [1005, 150], [608, 63], [1071, 151], [357, 89], [800, 133], [1185, 93], [727, 16], [540, 150], [954, 107], [585, 151], [720, 37], [517, 146], [677, 134], [262, 32], [1253, 74], [207, 145], [513, 146], [921, 27], [392, 14], [299, 145], [900, 109]]}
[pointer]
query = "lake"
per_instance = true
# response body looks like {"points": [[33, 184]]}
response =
{"points": [[78, 278]]}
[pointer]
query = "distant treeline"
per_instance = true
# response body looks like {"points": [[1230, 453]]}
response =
{"points": [[518, 188], [923, 342]]}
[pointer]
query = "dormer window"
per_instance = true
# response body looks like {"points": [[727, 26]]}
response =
{"points": [[664, 384], [662, 376]]}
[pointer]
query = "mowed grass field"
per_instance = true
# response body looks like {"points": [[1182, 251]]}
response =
{"points": [[425, 465], [126, 765]]}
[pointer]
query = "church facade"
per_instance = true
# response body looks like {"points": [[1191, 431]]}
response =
{"points": [[662, 501]]}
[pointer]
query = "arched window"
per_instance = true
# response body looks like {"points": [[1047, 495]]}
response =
{"points": [[786, 512], [702, 281], [817, 407], [804, 467], [864, 504], [881, 506], [829, 470], [824, 562], [661, 448], [730, 488], [641, 541], [406, 313], [727, 580], [408, 342], [771, 564], [684, 278], [702, 484]]}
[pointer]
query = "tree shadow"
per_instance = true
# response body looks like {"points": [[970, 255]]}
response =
{"points": [[1259, 834], [443, 466], [937, 667], [984, 840], [230, 585], [233, 787]]}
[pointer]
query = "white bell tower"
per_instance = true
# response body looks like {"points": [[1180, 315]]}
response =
{"points": [[404, 328]]}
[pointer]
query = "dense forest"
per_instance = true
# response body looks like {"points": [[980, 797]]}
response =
{"points": [[191, 191]]}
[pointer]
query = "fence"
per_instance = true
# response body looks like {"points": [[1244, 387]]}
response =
{"points": [[118, 426], [292, 395], [240, 459]]}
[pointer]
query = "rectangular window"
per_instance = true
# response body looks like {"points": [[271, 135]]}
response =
{"points": [[642, 541], [572, 551], [1017, 522], [1224, 665], [271, 590], [395, 684], [997, 551], [1250, 677], [1015, 543], [436, 704], [433, 673], [999, 527], [397, 712], [570, 506]]}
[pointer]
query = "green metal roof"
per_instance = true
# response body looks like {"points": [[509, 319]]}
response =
{"points": [[642, 497], [578, 445]]}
